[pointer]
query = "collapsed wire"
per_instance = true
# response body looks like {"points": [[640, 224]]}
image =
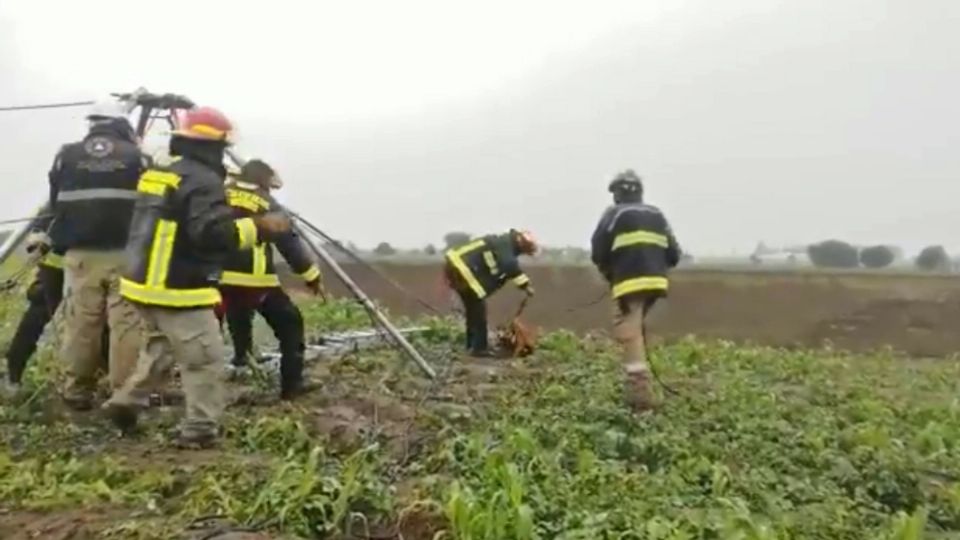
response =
{"points": [[46, 106], [12, 282], [359, 260]]}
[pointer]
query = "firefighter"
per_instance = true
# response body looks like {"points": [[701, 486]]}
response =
{"points": [[93, 185], [43, 297], [480, 268], [633, 247], [182, 230], [250, 282]]}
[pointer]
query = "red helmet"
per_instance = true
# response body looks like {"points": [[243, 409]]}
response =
{"points": [[204, 123]]}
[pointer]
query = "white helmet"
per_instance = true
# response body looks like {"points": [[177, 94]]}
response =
{"points": [[107, 109]]}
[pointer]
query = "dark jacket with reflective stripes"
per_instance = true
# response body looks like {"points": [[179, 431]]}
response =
{"points": [[486, 264], [181, 233], [93, 186], [634, 247], [256, 267]]}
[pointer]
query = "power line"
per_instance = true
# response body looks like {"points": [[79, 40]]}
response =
{"points": [[46, 106]]}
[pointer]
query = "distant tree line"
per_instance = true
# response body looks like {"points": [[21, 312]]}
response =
{"points": [[840, 254]]}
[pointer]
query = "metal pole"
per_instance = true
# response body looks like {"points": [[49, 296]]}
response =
{"points": [[367, 303], [358, 293]]}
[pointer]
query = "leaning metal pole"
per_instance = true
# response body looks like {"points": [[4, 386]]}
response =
{"points": [[358, 293], [15, 238]]}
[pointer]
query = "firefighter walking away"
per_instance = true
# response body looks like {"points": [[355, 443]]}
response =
{"points": [[181, 232], [93, 185], [250, 282], [480, 268], [633, 247]]}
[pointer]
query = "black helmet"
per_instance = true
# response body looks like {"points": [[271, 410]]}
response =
{"points": [[626, 182], [257, 171]]}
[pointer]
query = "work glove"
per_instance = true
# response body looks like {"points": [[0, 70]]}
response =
{"points": [[38, 241], [272, 223], [316, 287]]}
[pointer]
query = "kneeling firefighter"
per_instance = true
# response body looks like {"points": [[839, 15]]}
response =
{"points": [[482, 267], [181, 233], [634, 247], [250, 282]]}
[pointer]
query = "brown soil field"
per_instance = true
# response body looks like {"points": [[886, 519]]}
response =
{"points": [[858, 311]]}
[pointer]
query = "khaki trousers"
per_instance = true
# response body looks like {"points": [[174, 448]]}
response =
{"points": [[191, 338], [628, 331], [91, 300]]}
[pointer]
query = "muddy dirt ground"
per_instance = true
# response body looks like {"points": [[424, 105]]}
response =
{"points": [[915, 314]]}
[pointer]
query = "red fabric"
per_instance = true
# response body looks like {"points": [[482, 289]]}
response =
{"points": [[240, 297]]}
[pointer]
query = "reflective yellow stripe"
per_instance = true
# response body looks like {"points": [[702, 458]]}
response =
{"points": [[463, 250], [160, 296], [52, 260], [455, 256], [491, 262], [521, 280], [247, 231], [166, 254], [246, 199], [259, 259], [240, 279], [312, 274], [157, 182], [161, 253], [639, 237], [650, 283]]}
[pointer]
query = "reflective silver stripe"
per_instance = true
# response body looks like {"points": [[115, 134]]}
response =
{"points": [[96, 193], [633, 207]]}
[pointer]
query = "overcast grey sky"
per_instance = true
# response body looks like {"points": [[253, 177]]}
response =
{"points": [[774, 120]]}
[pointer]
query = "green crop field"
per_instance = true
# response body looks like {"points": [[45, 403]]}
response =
{"points": [[759, 444]]}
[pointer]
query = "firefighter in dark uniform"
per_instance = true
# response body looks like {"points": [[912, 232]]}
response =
{"points": [[44, 295], [633, 247], [181, 233], [93, 186], [482, 267], [250, 282]]}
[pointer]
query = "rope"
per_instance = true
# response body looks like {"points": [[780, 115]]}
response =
{"points": [[46, 106], [653, 367]]}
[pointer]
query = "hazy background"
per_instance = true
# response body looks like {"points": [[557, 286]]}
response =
{"points": [[782, 121]]}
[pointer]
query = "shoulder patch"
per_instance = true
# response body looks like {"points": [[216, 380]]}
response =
{"points": [[98, 147], [248, 200]]}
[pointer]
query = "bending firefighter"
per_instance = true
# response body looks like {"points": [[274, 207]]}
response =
{"points": [[482, 267], [250, 280], [634, 247], [182, 231], [93, 186]]}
